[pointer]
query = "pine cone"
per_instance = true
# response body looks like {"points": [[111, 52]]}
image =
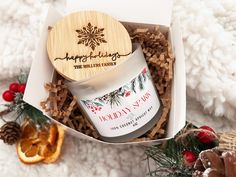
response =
{"points": [[209, 164], [229, 158], [213, 163], [10, 132]]}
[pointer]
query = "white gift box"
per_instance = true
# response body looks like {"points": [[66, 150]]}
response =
{"points": [[146, 13]]}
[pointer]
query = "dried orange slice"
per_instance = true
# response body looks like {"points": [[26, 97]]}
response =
{"points": [[28, 152], [53, 151], [40, 146], [28, 130], [53, 130]]}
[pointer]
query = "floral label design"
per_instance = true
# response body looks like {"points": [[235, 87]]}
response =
{"points": [[125, 109], [114, 98]]}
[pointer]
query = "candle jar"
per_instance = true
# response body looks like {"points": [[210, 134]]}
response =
{"points": [[122, 103]]}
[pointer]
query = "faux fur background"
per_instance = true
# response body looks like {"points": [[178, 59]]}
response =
{"points": [[209, 34]]}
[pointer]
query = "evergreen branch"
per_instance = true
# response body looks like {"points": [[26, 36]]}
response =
{"points": [[114, 98], [19, 115], [19, 107], [169, 157], [22, 78], [35, 115], [5, 112], [168, 160]]}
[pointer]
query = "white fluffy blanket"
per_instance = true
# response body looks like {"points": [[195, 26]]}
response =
{"points": [[209, 31]]}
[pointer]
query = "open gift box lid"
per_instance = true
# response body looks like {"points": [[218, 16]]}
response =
{"points": [[42, 70]]}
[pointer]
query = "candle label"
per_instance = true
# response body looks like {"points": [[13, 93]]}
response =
{"points": [[126, 109]]}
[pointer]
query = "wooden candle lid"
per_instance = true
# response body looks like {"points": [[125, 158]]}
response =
{"points": [[83, 44]]}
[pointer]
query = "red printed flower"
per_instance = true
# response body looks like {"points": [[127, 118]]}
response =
{"points": [[127, 93], [144, 70]]}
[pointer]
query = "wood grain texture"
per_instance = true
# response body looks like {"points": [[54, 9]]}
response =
{"points": [[86, 43]]}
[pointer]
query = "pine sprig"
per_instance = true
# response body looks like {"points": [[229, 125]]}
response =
{"points": [[168, 159], [114, 98], [22, 78], [23, 109], [35, 115]]}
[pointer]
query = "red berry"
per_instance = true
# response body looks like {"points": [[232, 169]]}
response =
{"points": [[189, 157], [14, 87], [206, 137], [8, 96], [21, 88]]}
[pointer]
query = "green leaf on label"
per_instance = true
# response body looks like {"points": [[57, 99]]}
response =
{"points": [[133, 85], [140, 81], [98, 104]]}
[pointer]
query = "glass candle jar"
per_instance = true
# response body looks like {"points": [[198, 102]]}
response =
{"points": [[122, 103]]}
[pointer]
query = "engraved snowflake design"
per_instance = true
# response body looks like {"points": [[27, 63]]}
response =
{"points": [[91, 36]]}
